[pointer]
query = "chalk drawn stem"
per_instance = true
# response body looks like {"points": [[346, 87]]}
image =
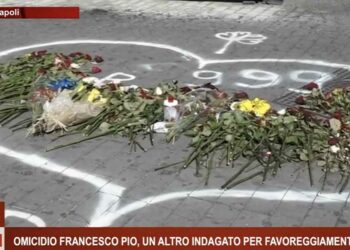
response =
{"points": [[242, 37]]}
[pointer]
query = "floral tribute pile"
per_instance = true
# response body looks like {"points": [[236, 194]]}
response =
{"points": [[224, 128]]}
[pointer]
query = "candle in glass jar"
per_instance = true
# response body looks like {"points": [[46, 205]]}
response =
{"points": [[171, 113]]}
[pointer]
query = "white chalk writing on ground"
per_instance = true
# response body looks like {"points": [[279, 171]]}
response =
{"points": [[209, 75]]}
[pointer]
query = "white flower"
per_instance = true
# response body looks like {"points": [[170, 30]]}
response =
{"points": [[158, 91], [217, 117], [58, 61], [90, 80], [334, 149], [282, 112], [233, 106], [74, 66]]}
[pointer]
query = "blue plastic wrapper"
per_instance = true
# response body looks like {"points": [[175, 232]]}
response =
{"points": [[62, 84]]}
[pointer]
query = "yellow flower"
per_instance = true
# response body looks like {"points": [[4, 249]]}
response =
{"points": [[102, 101], [246, 106], [80, 88], [257, 106], [94, 94], [261, 107], [337, 91]]}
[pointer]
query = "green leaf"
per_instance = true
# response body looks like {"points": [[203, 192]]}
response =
{"points": [[303, 157], [206, 131], [104, 127], [289, 119], [291, 139]]}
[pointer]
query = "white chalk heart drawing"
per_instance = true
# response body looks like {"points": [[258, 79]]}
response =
{"points": [[243, 37]]}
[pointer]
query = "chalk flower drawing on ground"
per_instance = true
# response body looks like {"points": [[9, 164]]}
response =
{"points": [[242, 37]]}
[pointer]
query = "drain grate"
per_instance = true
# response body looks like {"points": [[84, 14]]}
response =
{"points": [[340, 79]]}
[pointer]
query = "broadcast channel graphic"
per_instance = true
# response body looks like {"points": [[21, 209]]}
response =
{"points": [[162, 124]]}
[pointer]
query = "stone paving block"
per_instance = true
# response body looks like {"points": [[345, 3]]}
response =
{"points": [[272, 202], [38, 198], [55, 211], [13, 194], [5, 133], [151, 185], [17, 222], [320, 217], [175, 220], [92, 206], [193, 208], [123, 219], [219, 215], [250, 219], [284, 221], [328, 204], [70, 223], [343, 220], [295, 208], [78, 191], [151, 215]]}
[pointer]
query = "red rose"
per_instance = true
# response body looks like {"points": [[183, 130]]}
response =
{"points": [[300, 100], [311, 86], [293, 111], [41, 71], [333, 141], [308, 116], [220, 94], [98, 59], [67, 62], [95, 70], [345, 126], [74, 54], [241, 95], [338, 115], [39, 53], [88, 57], [209, 86], [144, 94], [185, 89]]}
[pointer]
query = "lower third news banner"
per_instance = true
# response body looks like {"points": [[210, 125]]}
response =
{"points": [[172, 238]]}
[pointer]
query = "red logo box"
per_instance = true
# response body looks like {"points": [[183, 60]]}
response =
{"points": [[2, 224], [2, 214]]}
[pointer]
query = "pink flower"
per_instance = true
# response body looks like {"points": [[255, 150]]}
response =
{"points": [[95, 70]]}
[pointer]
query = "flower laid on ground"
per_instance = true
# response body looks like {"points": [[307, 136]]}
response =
{"points": [[98, 59], [27, 82], [257, 106], [95, 70], [310, 86], [223, 128]]}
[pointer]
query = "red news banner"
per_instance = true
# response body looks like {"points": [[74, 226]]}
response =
{"points": [[39, 12], [171, 238], [177, 238]]}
